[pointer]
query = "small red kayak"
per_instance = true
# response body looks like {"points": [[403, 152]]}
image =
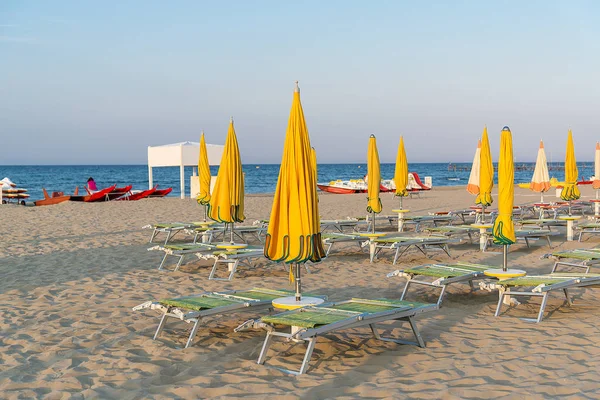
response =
{"points": [[161, 192], [100, 195], [139, 195]]}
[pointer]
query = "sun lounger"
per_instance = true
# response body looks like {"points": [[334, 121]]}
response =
{"points": [[191, 309], [443, 275], [543, 222], [400, 244], [232, 259], [329, 239], [309, 323], [584, 258], [341, 225], [527, 235], [180, 251], [418, 220], [541, 286], [171, 229], [588, 227], [452, 231], [242, 232]]}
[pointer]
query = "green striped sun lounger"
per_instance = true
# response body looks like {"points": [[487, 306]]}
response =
{"points": [[583, 258], [329, 239], [588, 227], [453, 230], [191, 309], [442, 275], [307, 324], [543, 222], [171, 229], [180, 250], [400, 244], [541, 286]]}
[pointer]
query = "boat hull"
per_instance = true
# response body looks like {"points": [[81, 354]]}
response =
{"points": [[139, 195], [161, 192], [338, 190], [95, 197]]}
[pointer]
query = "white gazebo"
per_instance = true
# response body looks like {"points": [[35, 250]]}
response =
{"points": [[184, 154]]}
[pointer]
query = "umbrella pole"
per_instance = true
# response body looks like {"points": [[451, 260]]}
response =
{"points": [[205, 213], [373, 221], [401, 197], [570, 208], [505, 260], [298, 281], [482, 214], [231, 233]]}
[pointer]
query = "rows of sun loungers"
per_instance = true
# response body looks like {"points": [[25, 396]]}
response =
{"points": [[306, 324]]}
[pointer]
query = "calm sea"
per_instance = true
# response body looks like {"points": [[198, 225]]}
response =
{"points": [[260, 178]]}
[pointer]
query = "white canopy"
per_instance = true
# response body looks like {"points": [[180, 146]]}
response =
{"points": [[184, 154]]}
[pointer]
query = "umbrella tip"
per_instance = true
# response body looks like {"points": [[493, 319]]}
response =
{"points": [[296, 87], [372, 135], [231, 119], [506, 128]]}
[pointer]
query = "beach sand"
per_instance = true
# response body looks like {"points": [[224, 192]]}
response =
{"points": [[71, 273]]}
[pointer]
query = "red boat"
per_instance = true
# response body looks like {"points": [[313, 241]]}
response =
{"points": [[101, 195], [161, 192], [57, 197], [338, 190], [119, 192], [139, 195]]}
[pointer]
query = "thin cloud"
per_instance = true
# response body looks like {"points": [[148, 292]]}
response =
{"points": [[8, 25]]}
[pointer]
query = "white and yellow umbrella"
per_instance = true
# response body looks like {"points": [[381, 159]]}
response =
{"points": [[540, 182], [473, 184]]}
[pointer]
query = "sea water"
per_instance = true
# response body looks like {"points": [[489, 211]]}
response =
{"points": [[259, 178]]}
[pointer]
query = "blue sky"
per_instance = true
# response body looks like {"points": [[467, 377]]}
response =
{"points": [[97, 82]]}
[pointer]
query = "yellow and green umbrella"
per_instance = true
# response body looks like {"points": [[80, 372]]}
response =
{"points": [[401, 172], [294, 233], [570, 191], [203, 175], [504, 228], [227, 201], [486, 175], [374, 184]]}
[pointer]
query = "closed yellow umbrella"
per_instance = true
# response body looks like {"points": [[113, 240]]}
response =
{"points": [[486, 175], [227, 201], [294, 233], [570, 191], [401, 172], [203, 175], [374, 184], [504, 229]]}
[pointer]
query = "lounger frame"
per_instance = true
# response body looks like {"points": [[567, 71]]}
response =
{"points": [[354, 320]]}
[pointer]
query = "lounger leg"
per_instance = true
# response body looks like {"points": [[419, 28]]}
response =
{"points": [[501, 294], [550, 243], [446, 249], [309, 350], [179, 262], [439, 302], [470, 238], [330, 245], [161, 325], [193, 333], [527, 242], [542, 307], [265, 348], [213, 271], [154, 233], [405, 289], [163, 261], [471, 285], [233, 269], [569, 302], [415, 330]]}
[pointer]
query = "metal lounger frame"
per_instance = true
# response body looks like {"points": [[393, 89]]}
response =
{"points": [[354, 320], [232, 261], [439, 283], [422, 245], [329, 242], [543, 292], [180, 253], [196, 316]]}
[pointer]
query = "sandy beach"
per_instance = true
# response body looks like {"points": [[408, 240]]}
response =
{"points": [[71, 274]]}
